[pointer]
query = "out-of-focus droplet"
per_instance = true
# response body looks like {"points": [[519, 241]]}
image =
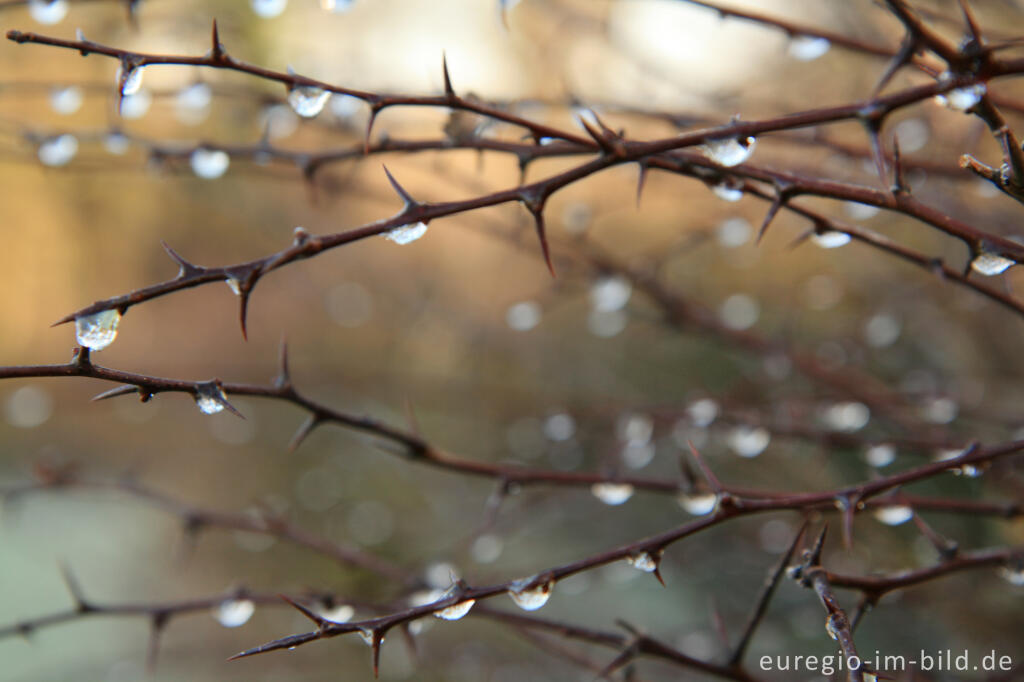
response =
{"points": [[132, 80], [339, 613], [486, 549], [941, 410], [880, 455], [699, 503], [441, 575], [308, 101], [962, 99], [193, 103], [989, 263], [210, 398], [523, 316], [702, 412], [406, 234], [279, 121], [727, 191], [638, 455], [859, 211], [455, 611], [136, 105], [346, 107], [67, 100], [530, 598], [577, 217], [58, 151], [234, 612], [729, 152], [739, 312], [1013, 575], [610, 293], [847, 417], [337, 6], [808, 48], [607, 323], [48, 11], [734, 232], [612, 493], [560, 427], [634, 428], [268, 9], [97, 331], [894, 515], [748, 441], [116, 144], [882, 330], [28, 407], [209, 164], [830, 239], [643, 561], [913, 134]]}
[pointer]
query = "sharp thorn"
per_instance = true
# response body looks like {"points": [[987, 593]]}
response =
{"points": [[449, 91], [406, 197], [115, 392]]}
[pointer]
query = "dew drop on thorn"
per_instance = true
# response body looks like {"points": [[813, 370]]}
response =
{"points": [[97, 331], [406, 234]]}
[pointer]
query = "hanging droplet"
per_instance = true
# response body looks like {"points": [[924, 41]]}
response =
{"points": [[729, 152], [367, 636], [97, 331], [523, 316], [193, 103], [559, 427], [136, 106], [1013, 575], [337, 6], [58, 151], [808, 48], [734, 232], [48, 11], [830, 239], [268, 9], [989, 263], [941, 410], [612, 493], [830, 627], [739, 312], [67, 100], [209, 164], [894, 515], [643, 561], [406, 234], [234, 612], [749, 441], [847, 417], [116, 143], [634, 428], [859, 211], [455, 611], [727, 191], [882, 330], [340, 613], [132, 81], [610, 293], [698, 504], [962, 99], [607, 323], [307, 101], [234, 285], [210, 398], [880, 455], [530, 598]]}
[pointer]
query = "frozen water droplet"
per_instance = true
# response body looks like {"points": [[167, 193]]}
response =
{"points": [[607, 323], [847, 417], [234, 285], [612, 493], [634, 428], [268, 9], [912, 133], [830, 239], [1013, 575], [486, 549], [441, 575], [116, 143], [808, 48], [209, 164], [234, 612], [734, 232], [698, 504], [523, 316], [882, 330], [48, 11], [366, 636], [210, 398], [940, 410], [962, 99], [859, 211], [830, 627], [528, 596], [97, 331], [308, 101], [730, 151], [989, 263], [880, 455], [136, 105], [748, 441], [637, 455], [643, 561], [610, 293], [66, 100], [702, 412], [337, 6], [132, 80], [455, 611], [739, 312], [894, 515], [340, 613], [58, 151], [727, 192], [192, 103], [406, 234], [560, 427]]}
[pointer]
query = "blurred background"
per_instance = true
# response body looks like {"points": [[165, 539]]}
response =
{"points": [[498, 360]]}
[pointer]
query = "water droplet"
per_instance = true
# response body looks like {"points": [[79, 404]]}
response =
{"points": [[560, 427], [367, 636], [847, 417], [808, 48], [337, 6], [830, 239], [880, 455], [610, 293], [727, 191], [28, 407], [455, 611], [748, 441], [730, 151], [339, 613], [962, 99], [406, 234], [132, 80], [66, 100], [487, 549], [913, 134], [739, 312], [1013, 575], [523, 316], [234, 285], [268, 9], [308, 101], [97, 331], [58, 151], [136, 106], [634, 428], [612, 493], [116, 143], [734, 232], [638, 455], [882, 330], [830, 627], [346, 107], [946, 454], [234, 612], [48, 11], [643, 561], [192, 103], [209, 164], [702, 412], [210, 398], [940, 410], [607, 323], [528, 596], [859, 211], [894, 515], [441, 575], [698, 504], [989, 263], [577, 217]]}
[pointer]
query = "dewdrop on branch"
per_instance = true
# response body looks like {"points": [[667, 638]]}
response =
{"points": [[1013, 575], [729, 152], [97, 331], [990, 263], [268, 9], [455, 611], [528, 596], [830, 239], [612, 494], [234, 612], [130, 82], [306, 100], [406, 234], [210, 398], [962, 99], [234, 285], [727, 192], [808, 48], [643, 561], [894, 515], [48, 11], [58, 151], [698, 504], [209, 164], [748, 441]]}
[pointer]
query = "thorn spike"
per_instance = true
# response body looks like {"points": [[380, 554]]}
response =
{"points": [[406, 197], [449, 91], [773, 210], [538, 217], [115, 392], [307, 427], [641, 181]]}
